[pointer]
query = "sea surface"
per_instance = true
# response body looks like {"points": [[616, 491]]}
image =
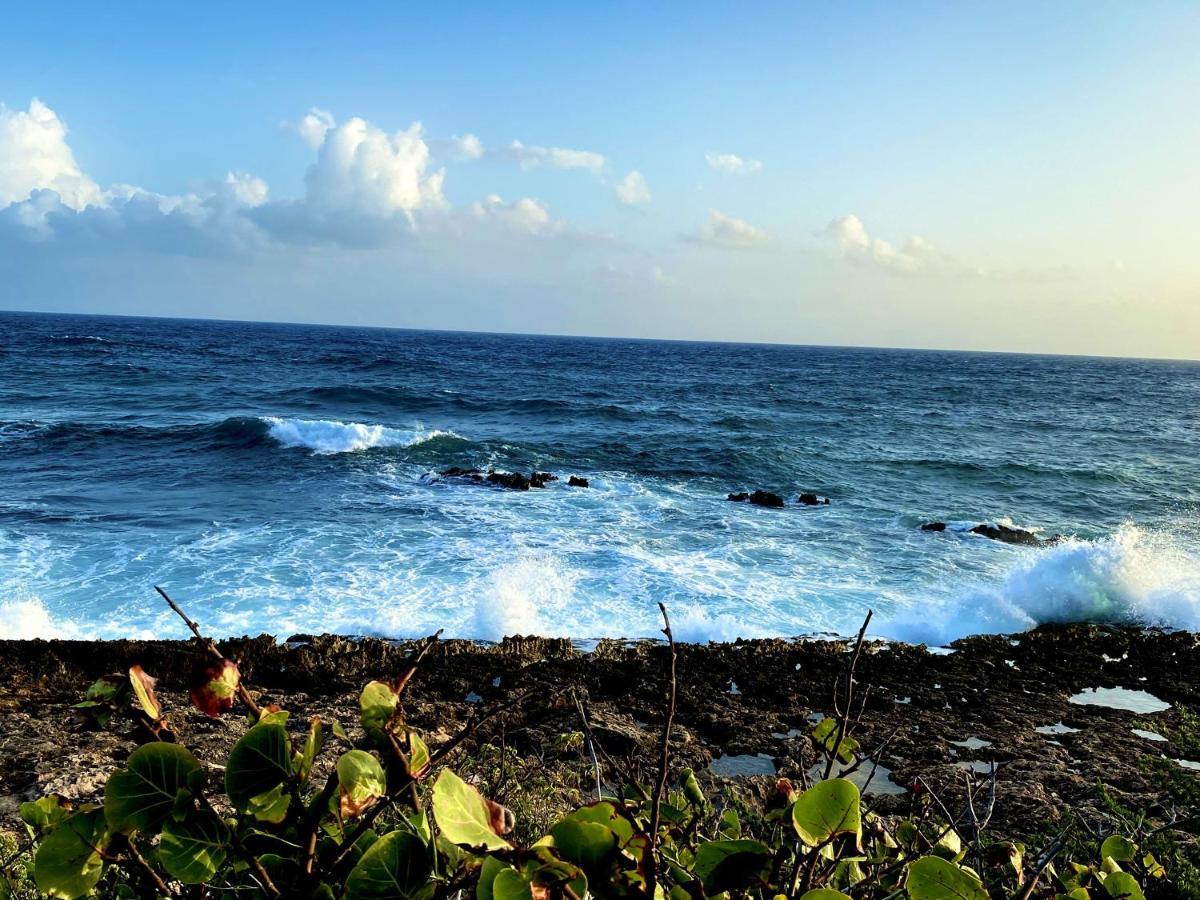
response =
{"points": [[280, 478]]}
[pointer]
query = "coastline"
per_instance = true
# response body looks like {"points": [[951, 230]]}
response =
{"points": [[751, 700]]}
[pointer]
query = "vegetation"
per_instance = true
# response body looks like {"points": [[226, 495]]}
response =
{"points": [[392, 819]]}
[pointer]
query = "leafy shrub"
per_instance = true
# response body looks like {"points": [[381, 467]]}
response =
{"points": [[392, 820]]}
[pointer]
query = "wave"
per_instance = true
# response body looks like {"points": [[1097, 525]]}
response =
{"points": [[75, 340], [23, 620], [1133, 577], [325, 436]]}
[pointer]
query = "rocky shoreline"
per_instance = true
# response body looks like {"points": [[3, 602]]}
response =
{"points": [[939, 716]]}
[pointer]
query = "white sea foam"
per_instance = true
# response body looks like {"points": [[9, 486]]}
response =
{"points": [[528, 596], [22, 620], [1132, 577], [326, 436]]}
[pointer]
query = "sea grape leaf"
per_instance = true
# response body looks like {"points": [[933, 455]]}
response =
{"points": [[215, 686], [419, 758], [933, 878], [1118, 848], [314, 740], [43, 814], [193, 849], [824, 894], [396, 865], [825, 734], [827, 809], [589, 845], [487, 875], [143, 690], [258, 768], [377, 705], [1124, 885], [360, 781], [144, 793], [509, 885], [68, 862], [732, 865], [463, 815]]}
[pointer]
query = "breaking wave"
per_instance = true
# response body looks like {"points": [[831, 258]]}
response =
{"points": [[1132, 577], [327, 436]]}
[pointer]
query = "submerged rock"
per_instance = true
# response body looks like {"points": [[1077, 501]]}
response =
{"points": [[807, 499], [576, 481], [1006, 534], [541, 479], [758, 498], [514, 481]]}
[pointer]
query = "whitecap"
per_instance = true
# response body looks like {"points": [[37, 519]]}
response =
{"points": [[22, 620], [325, 436]]}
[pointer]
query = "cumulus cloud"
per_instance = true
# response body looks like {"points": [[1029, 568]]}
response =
{"points": [[524, 215], [720, 230], [632, 190], [362, 169], [34, 156], [467, 147], [857, 245], [555, 157], [314, 125], [732, 164]]}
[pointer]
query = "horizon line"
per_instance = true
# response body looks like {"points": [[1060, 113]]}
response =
{"points": [[597, 337]]}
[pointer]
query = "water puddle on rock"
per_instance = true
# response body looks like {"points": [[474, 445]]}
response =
{"points": [[743, 766], [1056, 728], [1189, 764], [881, 784], [1148, 735], [1126, 699], [972, 743], [978, 766]]}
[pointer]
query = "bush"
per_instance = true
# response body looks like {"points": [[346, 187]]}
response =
{"points": [[393, 820]]}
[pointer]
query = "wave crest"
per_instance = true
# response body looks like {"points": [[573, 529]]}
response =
{"points": [[326, 436], [1133, 577]]}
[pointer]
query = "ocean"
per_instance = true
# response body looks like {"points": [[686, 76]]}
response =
{"points": [[282, 479]]}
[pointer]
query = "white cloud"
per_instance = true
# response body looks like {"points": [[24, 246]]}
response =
{"points": [[314, 125], [555, 157], [732, 164], [524, 215], [361, 169], [34, 155], [857, 245], [467, 147], [721, 230], [633, 190]]}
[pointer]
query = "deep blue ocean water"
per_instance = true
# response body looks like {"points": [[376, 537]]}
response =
{"points": [[276, 478]]}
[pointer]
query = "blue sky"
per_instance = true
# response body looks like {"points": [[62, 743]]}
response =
{"points": [[1013, 176]]}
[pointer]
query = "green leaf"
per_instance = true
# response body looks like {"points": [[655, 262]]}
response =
{"points": [[68, 862], [43, 814], [142, 795], [825, 734], [487, 875], [933, 878], [361, 781], [463, 815], [1122, 884], [824, 894], [589, 845], [509, 885], [827, 809], [258, 768], [732, 865], [1118, 848], [193, 850], [377, 703], [396, 865], [313, 742], [419, 757]]}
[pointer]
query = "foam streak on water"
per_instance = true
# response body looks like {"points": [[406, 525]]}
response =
{"points": [[282, 479]]}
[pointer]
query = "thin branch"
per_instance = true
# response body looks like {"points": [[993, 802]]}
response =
{"points": [[663, 762], [211, 646], [844, 712]]}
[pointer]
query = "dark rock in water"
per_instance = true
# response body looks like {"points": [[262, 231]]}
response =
{"points": [[473, 475], [514, 481], [807, 499], [1003, 533], [758, 498], [1007, 535], [540, 479], [576, 481]]}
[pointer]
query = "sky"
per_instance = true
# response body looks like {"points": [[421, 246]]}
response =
{"points": [[1008, 176]]}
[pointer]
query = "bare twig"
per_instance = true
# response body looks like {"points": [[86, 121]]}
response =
{"points": [[587, 739], [211, 646], [663, 762], [844, 711]]}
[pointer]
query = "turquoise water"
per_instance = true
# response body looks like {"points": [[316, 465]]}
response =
{"points": [[278, 478]]}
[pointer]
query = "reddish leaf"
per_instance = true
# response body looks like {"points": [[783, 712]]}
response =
{"points": [[143, 690], [215, 687], [502, 820]]}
